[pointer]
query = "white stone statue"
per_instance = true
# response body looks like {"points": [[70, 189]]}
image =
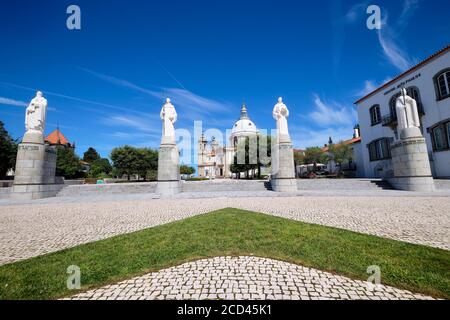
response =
{"points": [[169, 116], [35, 119], [280, 114], [407, 114]]}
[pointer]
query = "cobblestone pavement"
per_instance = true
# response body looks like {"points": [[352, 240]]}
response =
{"points": [[244, 278], [31, 230]]}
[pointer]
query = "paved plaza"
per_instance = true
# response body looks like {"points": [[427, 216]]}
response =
{"points": [[30, 230], [246, 278]]}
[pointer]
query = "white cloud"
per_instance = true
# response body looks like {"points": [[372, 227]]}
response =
{"points": [[12, 102], [148, 124], [181, 98], [331, 114], [389, 37], [305, 137], [355, 12], [369, 86]]}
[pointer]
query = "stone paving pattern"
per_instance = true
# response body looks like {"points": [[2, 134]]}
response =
{"points": [[244, 278], [30, 230]]}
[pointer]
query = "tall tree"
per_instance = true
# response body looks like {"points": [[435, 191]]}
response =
{"points": [[130, 160], [123, 159], [340, 154], [299, 157], [8, 151], [147, 162], [91, 155], [100, 167], [252, 154], [315, 155], [67, 163], [184, 169]]}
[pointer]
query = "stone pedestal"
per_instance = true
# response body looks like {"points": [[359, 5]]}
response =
{"points": [[410, 162], [168, 170], [283, 170], [35, 172]]}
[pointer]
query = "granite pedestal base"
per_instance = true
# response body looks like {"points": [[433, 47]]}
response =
{"points": [[168, 170], [35, 172], [411, 165], [283, 169]]}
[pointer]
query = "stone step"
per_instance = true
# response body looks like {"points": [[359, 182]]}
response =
{"points": [[224, 185], [5, 192], [117, 188], [442, 184], [342, 184]]}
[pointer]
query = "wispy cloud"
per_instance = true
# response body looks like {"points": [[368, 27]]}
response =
{"points": [[12, 102], [328, 119], [331, 114], [356, 12], [305, 137], [390, 32], [182, 97], [147, 124], [369, 86], [389, 36], [77, 99]]}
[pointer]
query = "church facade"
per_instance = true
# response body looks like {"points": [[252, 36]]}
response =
{"points": [[214, 160]]}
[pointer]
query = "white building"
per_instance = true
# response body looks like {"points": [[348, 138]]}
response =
{"points": [[428, 83], [214, 160]]}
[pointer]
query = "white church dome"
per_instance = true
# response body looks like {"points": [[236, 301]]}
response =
{"points": [[244, 125]]}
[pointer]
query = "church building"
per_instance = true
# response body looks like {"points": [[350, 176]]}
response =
{"points": [[214, 160]]}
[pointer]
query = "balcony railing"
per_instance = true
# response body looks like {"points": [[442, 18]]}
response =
{"points": [[389, 120]]}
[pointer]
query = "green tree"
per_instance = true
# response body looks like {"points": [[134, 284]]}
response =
{"points": [[255, 156], [184, 169], [91, 155], [315, 155], [123, 159], [100, 167], [299, 157], [130, 160], [8, 151], [147, 162], [67, 163], [340, 153]]}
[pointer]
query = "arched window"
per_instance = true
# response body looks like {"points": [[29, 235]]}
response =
{"points": [[414, 93], [392, 104], [375, 115], [442, 84]]}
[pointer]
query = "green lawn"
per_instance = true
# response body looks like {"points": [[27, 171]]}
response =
{"points": [[230, 232]]}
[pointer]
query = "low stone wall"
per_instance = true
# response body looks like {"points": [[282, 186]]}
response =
{"points": [[224, 185], [118, 188]]}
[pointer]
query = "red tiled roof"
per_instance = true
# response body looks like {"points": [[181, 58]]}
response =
{"points": [[56, 137], [350, 141], [417, 66]]}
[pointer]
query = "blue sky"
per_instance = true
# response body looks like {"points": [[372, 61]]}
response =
{"points": [[106, 82]]}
